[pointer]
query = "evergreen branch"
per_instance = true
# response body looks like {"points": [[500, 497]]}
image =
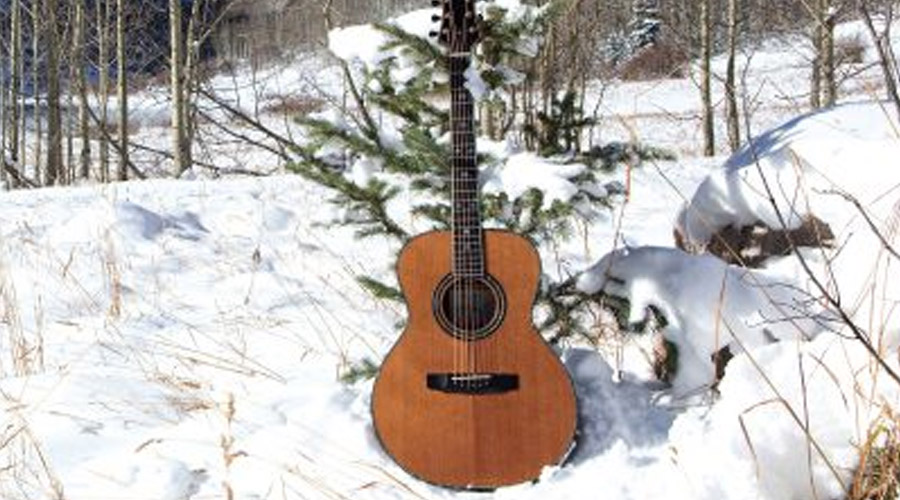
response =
{"points": [[423, 49], [370, 200], [322, 131], [364, 370], [380, 290]]}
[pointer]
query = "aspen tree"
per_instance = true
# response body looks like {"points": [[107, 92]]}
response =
{"points": [[15, 88], [36, 39], [122, 85], [79, 62], [731, 104], [103, 86], [709, 139], [54, 171], [176, 62]]}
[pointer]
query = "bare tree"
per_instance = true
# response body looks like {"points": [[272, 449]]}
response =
{"points": [[829, 85], [36, 29], [732, 117], [706, 41], [79, 61], [53, 172], [122, 85], [16, 57], [881, 39], [196, 36], [102, 30], [823, 86], [176, 68], [4, 112]]}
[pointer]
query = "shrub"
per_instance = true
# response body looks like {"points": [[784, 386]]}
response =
{"points": [[293, 105], [661, 60], [849, 50], [878, 475]]}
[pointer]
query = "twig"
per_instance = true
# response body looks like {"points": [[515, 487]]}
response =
{"points": [[868, 220], [858, 332], [115, 144], [280, 139]]}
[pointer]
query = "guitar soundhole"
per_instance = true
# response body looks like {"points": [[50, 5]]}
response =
{"points": [[469, 308]]}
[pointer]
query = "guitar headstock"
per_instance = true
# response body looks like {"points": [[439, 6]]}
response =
{"points": [[460, 24]]}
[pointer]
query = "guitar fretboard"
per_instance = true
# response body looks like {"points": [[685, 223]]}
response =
{"points": [[468, 241]]}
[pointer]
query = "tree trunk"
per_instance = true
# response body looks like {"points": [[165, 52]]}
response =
{"points": [[731, 105], [36, 90], [122, 85], [815, 86], [829, 85], [189, 85], [882, 43], [103, 86], [68, 47], [84, 163], [4, 122], [54, 171], [709, 138], [176, 62], [16, 55]]}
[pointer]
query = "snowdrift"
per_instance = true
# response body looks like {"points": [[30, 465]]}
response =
{"points": [[798, 399]]}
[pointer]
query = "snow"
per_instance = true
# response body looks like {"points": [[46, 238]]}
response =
{"points": [[525, 171], [708, 304], [177, 339], [363, 46], [806, 162], [838, 166]]}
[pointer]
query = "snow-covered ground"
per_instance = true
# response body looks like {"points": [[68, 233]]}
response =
{"points": [[186, 339]]}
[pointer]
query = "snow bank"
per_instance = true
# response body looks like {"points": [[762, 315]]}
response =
{"points": [[801, 393], [788, 422], [838, 165], [708, 305], [806, 165]]}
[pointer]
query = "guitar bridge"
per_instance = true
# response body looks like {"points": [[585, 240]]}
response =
{"points": [[472, 383]]}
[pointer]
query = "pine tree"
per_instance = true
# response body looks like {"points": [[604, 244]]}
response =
{"points": [[645, 25], [393, 148]]}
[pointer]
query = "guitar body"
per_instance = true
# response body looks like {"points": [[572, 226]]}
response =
{"points": [[481, 409]]}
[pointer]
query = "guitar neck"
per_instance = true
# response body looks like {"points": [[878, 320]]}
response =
{"points": [[468, 241]]}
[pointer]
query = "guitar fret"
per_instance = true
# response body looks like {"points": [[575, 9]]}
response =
{"points": [[468, 237]]}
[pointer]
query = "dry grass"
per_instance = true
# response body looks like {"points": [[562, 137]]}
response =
{"points": [[849, 50], [660, 61], [878, 475], [26, 468], [26, 350], [293, 105], [113, 278], [229, 455]]}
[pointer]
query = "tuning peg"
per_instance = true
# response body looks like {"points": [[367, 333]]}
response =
{"points": [[435, 3], [435, 18], [433, 34]]}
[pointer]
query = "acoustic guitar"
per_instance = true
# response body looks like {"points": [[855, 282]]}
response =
{"points": [[471, 396]]}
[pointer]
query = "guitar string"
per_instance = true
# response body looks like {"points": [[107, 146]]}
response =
{"points": [[460, 281], [467, 236], [460, 145], [453, 182], [467, 125]]}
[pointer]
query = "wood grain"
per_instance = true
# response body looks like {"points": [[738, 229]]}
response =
{"points": [[473, 441]]}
